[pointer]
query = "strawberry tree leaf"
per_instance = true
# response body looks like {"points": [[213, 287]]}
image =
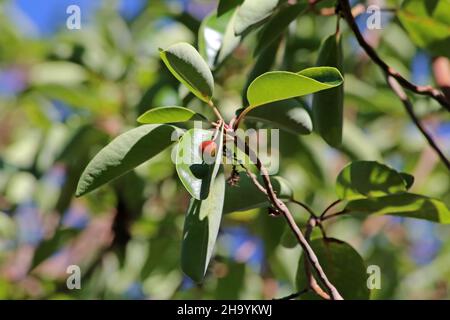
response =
{"points": [[281, 85], [362, 179], [343, 266], [291, 116], [169, 115], [123, 154], [252, 12], [196, 170], [188, 66], [201, 228], [428, 24], [227, 5], [404, 205]]}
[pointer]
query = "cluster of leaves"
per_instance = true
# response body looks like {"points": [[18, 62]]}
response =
{"points": [[110, 71]]}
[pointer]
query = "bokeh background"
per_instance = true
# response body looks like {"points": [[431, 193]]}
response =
{"points": [[65, 93]]}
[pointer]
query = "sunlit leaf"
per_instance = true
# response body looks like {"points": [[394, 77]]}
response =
{"points": [[328, 105], [278, 24], [290, 115], [362, 179], [201, 228], [281, 85], [230, 40], [343, 266], [252, 12], [404, 205], [169, 115], [428, 24], [124, 153], [227, 5], [188, 66], [196, 170]]}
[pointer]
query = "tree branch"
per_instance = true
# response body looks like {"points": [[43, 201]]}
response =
{"points": [[398, 90], [283, 209], [389, 71]]}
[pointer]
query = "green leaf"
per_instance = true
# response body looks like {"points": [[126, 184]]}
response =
{"points": [[195, 171], [409, 179], [404, 205], [50, 246], [327, 106], [252, 12], [201, 228], [230, 40], [124, 153], [211, 35], [291, 116], [246, 196], [277, 25], [281, 85], [188, 66], [428, 24], [343, 266], [362, 179], [169, 115], [227, 5]]}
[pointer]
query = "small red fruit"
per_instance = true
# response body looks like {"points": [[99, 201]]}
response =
{"points": [[208, 147]]}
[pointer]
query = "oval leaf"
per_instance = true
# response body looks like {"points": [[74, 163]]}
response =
{"points": [[201, 227], [428, 24], [343, 266], [404, 205], [290, 115], [246, 196], [328, 105], [195, 171], [188, 66], [281, 85], [362, 179], [124, 153], [277, 25], [252, 12], [169, 115]]}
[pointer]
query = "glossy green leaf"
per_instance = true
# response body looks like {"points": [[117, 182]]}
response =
{"points": [[252, 12], [278, 24], [201, 228], [343, 266], [428, 24], [404, 205], [169, 115], [230, 40], [246, 196], [227, 5], [362, 179], [124, 153], [195, 171], [281, 85], [188, 66], [290, 115], [210, 36], [327, 106], [409, 179]]}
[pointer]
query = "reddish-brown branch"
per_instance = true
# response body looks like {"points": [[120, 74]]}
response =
{"points": [[389, 71]]}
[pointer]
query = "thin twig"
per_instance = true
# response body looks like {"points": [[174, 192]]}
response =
{"points": [[370, 51], [283, 209], [334, 203], [398, 90], [216, 111], [294, 295], [339, 213], [304, 206]]}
